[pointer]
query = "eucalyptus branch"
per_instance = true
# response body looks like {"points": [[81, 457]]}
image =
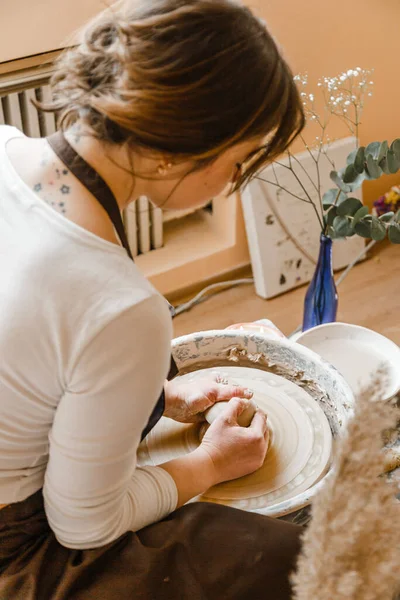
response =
{"points": [[319, 185], [329, 210], [309, 201], [344, 98], [304, 169], [306, 193], [278, 185], [337, 198], [357, 125], [332, 162], [307, 147], [282, 165]]}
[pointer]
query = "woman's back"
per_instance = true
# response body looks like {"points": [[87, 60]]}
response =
{"points": [[60, 285]]}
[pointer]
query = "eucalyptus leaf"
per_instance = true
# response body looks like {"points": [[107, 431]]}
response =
{"points": [[360, 160], [373, 149], [394, 233], [351, 157], [374, 171], [383, 150], [357, 182], [349, 207], [397, 217], [330, 196], [331, 233], [342, 226], [338, 181], [378, 230], [395, 147], [387, 217], [384, 165], [350, 174], [363, 229], [393, 162], [330, 215], [360, 214]]}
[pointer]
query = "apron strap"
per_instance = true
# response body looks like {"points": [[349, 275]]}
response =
{"points": [[95, 184], [101, 191], [92, 181]]}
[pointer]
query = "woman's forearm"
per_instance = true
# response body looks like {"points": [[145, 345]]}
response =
{"points": [[193, 474]]}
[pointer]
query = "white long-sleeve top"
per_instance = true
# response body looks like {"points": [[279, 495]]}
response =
{"points": [[84, 351]]}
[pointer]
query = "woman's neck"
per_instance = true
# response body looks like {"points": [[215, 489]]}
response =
{"points": [[111, 161]]}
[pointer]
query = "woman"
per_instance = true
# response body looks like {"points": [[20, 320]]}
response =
{"points": [[174, 100]]}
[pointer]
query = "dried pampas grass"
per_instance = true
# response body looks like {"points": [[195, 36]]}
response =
{"points": [[352, 546]]}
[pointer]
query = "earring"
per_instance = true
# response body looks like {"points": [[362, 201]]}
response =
{"points": [[164, 168]]}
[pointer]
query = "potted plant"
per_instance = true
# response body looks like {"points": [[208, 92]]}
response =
{"points": [[340, 213]]}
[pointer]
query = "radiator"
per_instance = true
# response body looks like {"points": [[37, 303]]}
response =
{"points": [[144, 222]]}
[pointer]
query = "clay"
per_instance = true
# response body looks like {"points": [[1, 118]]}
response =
{"points": [[300, 441], [245, 418]]}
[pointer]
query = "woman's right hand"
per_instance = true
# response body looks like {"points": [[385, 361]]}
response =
{"points": [[236, 451]]}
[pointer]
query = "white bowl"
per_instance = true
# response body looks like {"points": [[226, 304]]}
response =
{"points": [[288, 359], [357, 353]]}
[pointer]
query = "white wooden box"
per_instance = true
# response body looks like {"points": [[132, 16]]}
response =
{"points": [[283, 232]]}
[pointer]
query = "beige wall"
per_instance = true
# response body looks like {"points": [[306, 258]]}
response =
{"points": [[318, 36], [34, 26], [325, 37]]}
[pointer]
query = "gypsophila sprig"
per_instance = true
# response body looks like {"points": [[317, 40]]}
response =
{"points": [[345, 95], [340, 215]]}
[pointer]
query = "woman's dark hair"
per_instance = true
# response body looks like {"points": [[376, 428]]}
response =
{"points": [[187, 78]]}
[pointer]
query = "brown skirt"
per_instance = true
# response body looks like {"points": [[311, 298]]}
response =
{"points": [[200, 552]]}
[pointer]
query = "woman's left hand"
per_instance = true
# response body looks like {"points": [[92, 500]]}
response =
{"points": [[187, 402]]}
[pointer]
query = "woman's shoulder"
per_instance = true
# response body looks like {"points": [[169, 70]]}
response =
{"points": [[120, 290], [7, 132]]}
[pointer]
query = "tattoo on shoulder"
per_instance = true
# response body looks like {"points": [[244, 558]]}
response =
{"points": [[59, 206], [50, 198], [61, 172]]}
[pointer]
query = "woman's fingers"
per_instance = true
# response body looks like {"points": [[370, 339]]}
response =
{"points": [[259, 422], [233, 409], [226, 392]]}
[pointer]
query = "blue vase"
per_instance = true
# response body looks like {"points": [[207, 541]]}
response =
{"points": [[321, 302]]}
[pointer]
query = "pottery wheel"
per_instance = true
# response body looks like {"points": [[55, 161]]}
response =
{"points": [[299, 451]]}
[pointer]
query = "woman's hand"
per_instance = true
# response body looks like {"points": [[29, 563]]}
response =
{"points": [[187, 402], [228, 451], [236, 451]]}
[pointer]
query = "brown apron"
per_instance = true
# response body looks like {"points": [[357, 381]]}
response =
{"points": [[201, 551]]}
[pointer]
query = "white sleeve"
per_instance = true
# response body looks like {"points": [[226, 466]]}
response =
{"points": [[93, 491]]}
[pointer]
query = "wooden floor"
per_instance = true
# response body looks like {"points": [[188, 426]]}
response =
{"points": [[369, 296]]}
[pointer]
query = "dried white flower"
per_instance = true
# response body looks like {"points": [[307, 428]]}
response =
{"points": [[351, 548]]}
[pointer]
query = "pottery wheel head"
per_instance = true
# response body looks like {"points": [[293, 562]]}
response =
{"points": [[300, 443]]}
